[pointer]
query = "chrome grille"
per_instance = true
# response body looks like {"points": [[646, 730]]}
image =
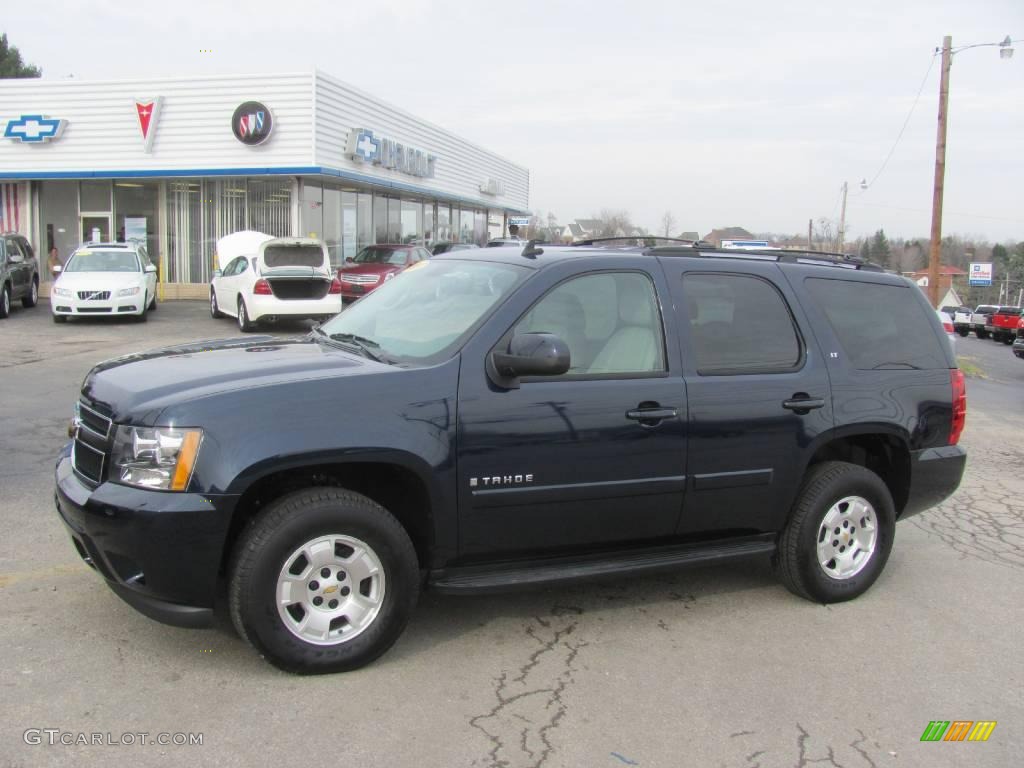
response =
{"points": [[94, 295], [92, 443], [360, 279]]}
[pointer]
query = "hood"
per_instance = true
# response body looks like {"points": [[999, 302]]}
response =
{"points": [[98, 281], [136, 388], [372, 268]]}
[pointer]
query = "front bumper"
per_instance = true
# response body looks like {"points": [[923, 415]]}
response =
{"points": [[272, 308], [116, 305], [935, 474], [159, 551]]}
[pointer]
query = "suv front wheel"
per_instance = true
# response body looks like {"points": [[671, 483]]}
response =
{"points": [[324, 580], [839, 534]]}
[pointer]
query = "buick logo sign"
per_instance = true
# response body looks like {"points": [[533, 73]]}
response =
{"points": [[252, 123]]}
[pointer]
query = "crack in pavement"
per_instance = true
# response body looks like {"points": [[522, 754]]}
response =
{"points": [[985, 518], [859, 758], [529, 702]]}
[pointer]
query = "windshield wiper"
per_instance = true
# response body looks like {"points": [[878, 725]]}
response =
{"points": [[363, 344], [896, 367]]}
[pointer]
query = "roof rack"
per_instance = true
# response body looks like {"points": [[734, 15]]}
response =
{"points": [[640, 238], [704, 249]]}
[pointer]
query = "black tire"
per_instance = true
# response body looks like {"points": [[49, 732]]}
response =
{"points": [[245, 325], [143, 316], [825, 486], [963, 331], [268, 544], [215, 312], [5, 301], [981, 334], [152, 304], [1007, 339], [32, 298], [59, 319]]}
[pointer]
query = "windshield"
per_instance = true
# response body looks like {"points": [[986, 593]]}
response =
{"points": [[428, 308], [102, 261], [376, 255]]}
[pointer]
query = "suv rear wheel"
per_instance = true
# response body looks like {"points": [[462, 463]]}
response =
{"points": [[324, 580], [5, 301], [839, 533]]}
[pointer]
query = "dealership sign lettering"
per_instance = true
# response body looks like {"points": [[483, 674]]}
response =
{"points": [[364, 147]]}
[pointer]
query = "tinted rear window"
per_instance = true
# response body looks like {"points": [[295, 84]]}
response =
{"points": [[293, 256], [880, 326]]}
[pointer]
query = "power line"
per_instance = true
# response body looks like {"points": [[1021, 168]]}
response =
{"points": [[917, 98]]}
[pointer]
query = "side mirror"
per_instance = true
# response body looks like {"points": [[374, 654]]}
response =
{"points": [[150, 268], [530, 354], [57, 269], [217, 273]]}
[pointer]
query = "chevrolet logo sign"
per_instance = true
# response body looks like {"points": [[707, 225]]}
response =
{"points": [[34, 129]]}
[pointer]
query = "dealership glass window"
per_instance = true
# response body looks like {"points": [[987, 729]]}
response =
{"points": [[411, 222], [58, 218], [380, 219], [429, 237], [394, 221], [269, 206], [364, 220], [187, 251], [94, 196], [332, 230], [311, 210], [444, 223], [480, 228], [349, 224], [229, 204], [466, 226], [135, 214]]}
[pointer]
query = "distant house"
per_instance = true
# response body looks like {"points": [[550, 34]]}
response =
{"points": [[946, 276], [716, 236], [689, 236]]}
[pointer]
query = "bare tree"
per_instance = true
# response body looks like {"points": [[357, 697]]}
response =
{"points": [[613, 223], [668, 223]]}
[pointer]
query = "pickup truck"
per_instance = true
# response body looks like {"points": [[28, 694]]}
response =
{"points": [[962, 320], [505, 417], [982, 316], [1002, 325]]}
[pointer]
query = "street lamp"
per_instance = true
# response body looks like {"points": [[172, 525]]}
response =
{"points": [[935, 251]]}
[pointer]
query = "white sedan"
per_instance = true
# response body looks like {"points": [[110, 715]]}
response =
{"points": [[104, 279], [265, 279]]}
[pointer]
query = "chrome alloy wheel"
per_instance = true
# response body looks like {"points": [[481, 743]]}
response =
{"points": [[847, 537], [330, 589]]}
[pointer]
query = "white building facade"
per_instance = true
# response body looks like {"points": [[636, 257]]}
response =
{"points": [[181, 162]]}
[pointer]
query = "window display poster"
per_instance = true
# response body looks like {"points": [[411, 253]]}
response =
{"points": [[135, 229]]}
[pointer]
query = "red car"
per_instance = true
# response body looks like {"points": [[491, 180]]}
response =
{"points": [[376, 264]]}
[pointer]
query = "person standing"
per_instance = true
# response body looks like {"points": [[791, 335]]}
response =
{"points": [[53, 261]]}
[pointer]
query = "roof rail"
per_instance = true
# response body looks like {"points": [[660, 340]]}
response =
{"points": [[707, 250], [645, 239]]}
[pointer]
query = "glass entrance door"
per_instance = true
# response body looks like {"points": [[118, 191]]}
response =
{"points": [[95, 228]]}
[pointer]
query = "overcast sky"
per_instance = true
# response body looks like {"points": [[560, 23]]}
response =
{"points": [[745, 113]]}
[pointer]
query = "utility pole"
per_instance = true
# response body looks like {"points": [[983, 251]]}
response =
{"points": [[935, 251], [842, 221], [810, 229]]}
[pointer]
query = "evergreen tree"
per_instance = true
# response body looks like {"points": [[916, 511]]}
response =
{"points": [[11, 64], [879, 249]]}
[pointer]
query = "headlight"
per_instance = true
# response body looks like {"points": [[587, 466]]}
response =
{"points": [[62, 292], [161, 458], [128, 291]]}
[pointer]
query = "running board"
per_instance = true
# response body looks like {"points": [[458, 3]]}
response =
{"points": [[517, 575]]}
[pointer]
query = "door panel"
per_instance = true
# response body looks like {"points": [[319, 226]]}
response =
{"points": [[747, 354], [565, 462]]}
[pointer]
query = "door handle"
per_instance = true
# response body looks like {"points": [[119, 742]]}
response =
{"points": [[651, 417], [803, 404]]}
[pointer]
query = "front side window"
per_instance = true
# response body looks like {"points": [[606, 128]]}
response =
{"points": [[739, 324], [610, 322], [427, 310], [90, 260]]}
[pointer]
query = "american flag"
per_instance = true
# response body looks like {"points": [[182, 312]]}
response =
{"points": [[9, 216]]}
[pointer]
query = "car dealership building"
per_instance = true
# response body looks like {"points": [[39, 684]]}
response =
{"points": [[180, 162]]}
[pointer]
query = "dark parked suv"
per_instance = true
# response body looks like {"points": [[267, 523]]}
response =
{"points": [[519, 417], [19, 273]]}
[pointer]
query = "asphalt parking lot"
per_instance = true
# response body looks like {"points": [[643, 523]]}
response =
{"points": [[717, 666]]}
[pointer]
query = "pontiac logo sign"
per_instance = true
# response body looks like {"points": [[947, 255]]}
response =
{"points": [[364, 147], [252, 123], [148, 111]]}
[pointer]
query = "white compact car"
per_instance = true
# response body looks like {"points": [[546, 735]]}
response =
{"points": [[104, 279], [265, 279]]}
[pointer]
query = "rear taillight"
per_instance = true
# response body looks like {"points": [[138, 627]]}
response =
{"points": [[956, 377], [947, 326], [262, 288], [335, 286]]}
